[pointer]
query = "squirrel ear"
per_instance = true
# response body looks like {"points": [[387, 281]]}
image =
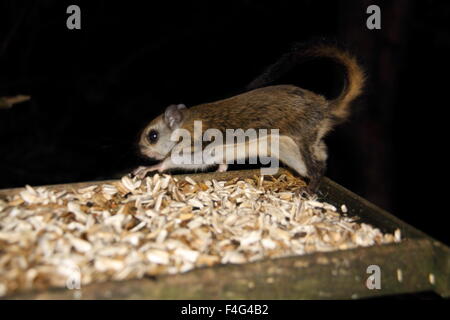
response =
{"points": [[173, 115]]}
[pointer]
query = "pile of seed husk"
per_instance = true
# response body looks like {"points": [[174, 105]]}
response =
{"points": [[164, 225]]}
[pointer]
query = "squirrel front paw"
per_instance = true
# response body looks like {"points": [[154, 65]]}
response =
{"points": [[141, 172]]}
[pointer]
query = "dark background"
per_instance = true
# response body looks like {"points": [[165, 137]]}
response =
{"points": [[94, 89]]}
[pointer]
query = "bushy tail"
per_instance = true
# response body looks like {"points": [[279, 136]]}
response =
{"points": [[355, 77]]}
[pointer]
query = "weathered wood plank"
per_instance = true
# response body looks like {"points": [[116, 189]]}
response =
{"points": [[334, 275]]}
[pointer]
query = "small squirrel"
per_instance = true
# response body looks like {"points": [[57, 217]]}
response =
{"points": [[302, 117]]}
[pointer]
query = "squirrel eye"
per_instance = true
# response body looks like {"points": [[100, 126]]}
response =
{"points": [[152, 136]]}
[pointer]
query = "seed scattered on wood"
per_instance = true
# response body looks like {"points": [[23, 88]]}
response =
{"points": [[432, 279], [398, 235], [399, 275], [190, 181], [158, 256]]}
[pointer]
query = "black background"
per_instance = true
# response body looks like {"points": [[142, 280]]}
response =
{"points": [[94, 89]]}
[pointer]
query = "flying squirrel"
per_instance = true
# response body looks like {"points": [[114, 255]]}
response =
{"points": [[302, 117]]}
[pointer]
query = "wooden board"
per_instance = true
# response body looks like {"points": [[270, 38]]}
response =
{"points": [[406, 267]]}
